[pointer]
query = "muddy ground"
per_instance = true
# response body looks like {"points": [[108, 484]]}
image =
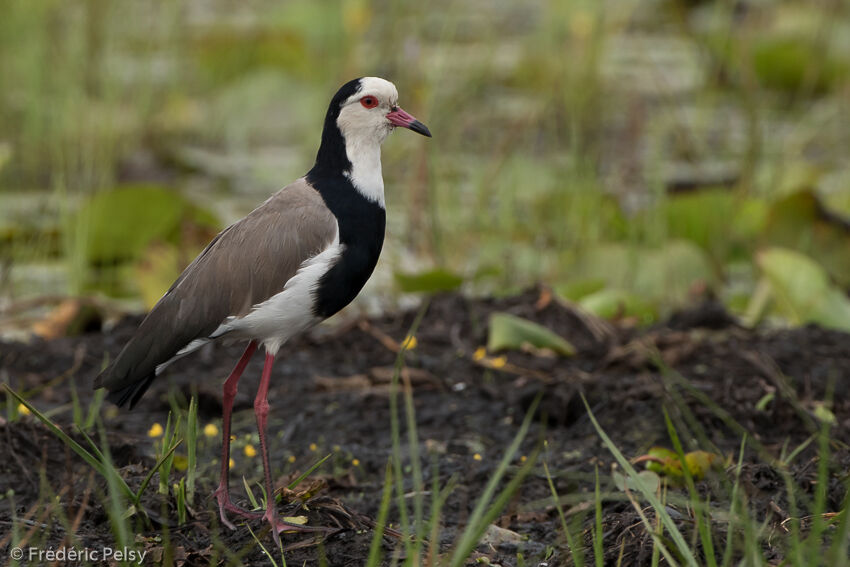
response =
{"points": [[330, 394]]}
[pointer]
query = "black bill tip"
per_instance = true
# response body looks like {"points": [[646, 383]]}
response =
{"points": [[420, 128]]}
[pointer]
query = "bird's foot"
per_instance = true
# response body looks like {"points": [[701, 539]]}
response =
{"points": [[226, 505], [280, 526]]}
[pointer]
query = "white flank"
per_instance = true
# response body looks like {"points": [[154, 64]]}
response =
{"points": [[288, 312]]}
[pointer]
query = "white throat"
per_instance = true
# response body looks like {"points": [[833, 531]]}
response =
{"points": [[364, 153]]}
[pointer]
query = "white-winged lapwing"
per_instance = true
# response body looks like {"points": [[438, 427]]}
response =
{"points": [[294, 261]]}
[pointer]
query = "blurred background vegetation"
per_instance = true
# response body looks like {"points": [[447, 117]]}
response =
{"points": [[636, 155]]}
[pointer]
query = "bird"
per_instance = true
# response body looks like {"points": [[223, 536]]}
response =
{"points": [[298, 258]]}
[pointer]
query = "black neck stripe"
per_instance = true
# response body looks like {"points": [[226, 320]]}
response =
{"points": [[331, 159]]}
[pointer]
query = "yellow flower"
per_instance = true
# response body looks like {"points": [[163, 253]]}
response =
{"points": [[155, 430], [409, 342], [479, 354], [477, 456], [23, 410], [499, 362], [355, 462], [313, 446], [232, 463], [181, 462], [291, 458], [523, 458], [250, 451], [210, 430]]}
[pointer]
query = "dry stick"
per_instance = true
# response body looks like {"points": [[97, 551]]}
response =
{"points": [[84, 504], [383, 338], [30, 513], [79, 357], [38, 524]]}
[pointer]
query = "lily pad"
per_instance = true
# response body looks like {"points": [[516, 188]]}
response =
{"points": [[802, 289], [718, 220], [119, 225], [659, 276], [512, 332], [800, 221]]}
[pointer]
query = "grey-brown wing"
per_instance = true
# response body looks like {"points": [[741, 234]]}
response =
{"points": [[244, 265]]}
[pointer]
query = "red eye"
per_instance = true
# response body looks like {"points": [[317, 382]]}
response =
{"points": [[369, 101]]}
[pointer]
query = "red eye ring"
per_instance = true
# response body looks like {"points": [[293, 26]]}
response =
{"points": [[369, 101]]}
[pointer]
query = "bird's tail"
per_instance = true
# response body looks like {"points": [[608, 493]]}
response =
{"points": [[131, 393]]}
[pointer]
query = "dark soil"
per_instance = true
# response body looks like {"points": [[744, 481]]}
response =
{"points": [[330, 395]]}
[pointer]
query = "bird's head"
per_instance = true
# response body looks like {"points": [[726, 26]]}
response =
{"points": [[368, 110], [360, 116]]}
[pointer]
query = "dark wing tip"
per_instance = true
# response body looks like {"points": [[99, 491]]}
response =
{"points": [[131, 394]]}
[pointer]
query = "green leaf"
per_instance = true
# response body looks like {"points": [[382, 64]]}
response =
{"points": [[785, 63], [576, 290], [613, 303], [703, 217], [644, 480], [511, 332], [121, 223], [802, 289], [659, 276], [432, 281], [801, 221]]}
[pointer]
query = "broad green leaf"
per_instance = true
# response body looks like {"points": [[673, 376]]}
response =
{"points": [[785, 63], [703, 218], [432, 281], [576, 290], [658, 276], [649, 479], [120, 224], [611, 303], [801, 221], [511, 332], [802, 289]]}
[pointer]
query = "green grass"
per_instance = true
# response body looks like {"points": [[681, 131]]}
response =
{"points": [[723, 528]]}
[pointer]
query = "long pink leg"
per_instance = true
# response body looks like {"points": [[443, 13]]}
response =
{"points": [[261, 410], [222, 493]]}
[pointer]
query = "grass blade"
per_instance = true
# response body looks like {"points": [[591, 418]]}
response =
{"points": [[308, 472], [703, 522], [681, 545], [191, 449], [156, 467], [575, 552], [476, 526], [375, 546], [102, 467]]}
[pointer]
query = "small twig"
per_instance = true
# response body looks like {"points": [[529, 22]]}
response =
{"points": [[383, 338]]}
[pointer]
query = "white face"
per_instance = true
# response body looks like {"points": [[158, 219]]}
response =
{"points": [[363, 117]]}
